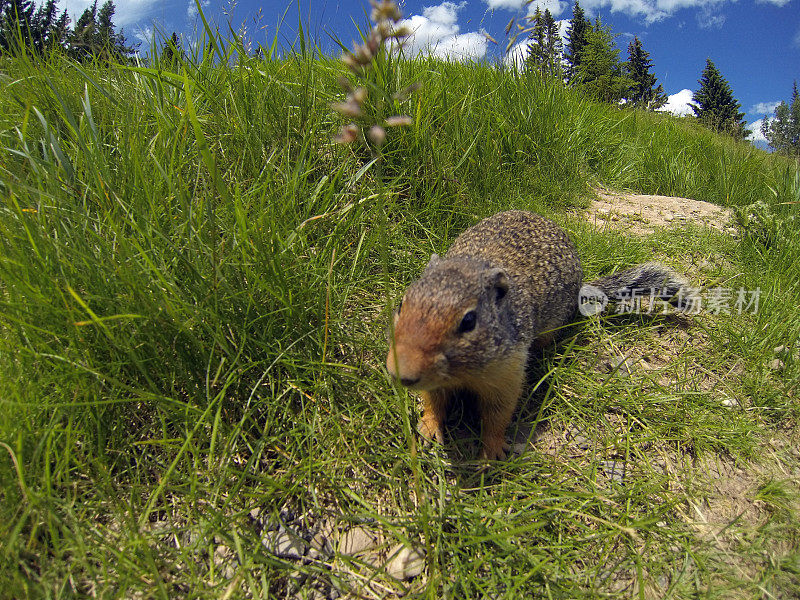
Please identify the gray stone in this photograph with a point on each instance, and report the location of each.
(323, 539)
(777, 364)
(613, 469)
(404, 562)
(579, 439)
(357, 539)
(224, 560)
(284, 544)
(619, 365)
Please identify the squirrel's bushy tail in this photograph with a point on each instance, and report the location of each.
(649, 279)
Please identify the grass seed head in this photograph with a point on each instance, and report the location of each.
(385, 15)
(350, 108)
(385, 10)
(347, 134)
(399, 121)
(377, 135)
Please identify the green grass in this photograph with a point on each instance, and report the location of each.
(195, 285)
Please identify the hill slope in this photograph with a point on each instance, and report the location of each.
(194, 288)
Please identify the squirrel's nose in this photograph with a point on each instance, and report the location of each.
(400, 367)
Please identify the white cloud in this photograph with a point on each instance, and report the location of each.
(436, 32)
(144, 35)
(508, 4)
(191, 10)
(467, 46)
(517, 54)
(519, 51)
(709, 13)
(127, 12)
(556, 7)
(649, 10)
(679, 104)
(709, 17)
(763, 108)
(755, 131)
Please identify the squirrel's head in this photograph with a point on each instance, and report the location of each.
(448, 324)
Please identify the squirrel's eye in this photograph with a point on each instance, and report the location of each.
(468, 322)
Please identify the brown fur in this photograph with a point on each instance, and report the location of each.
(468, 323)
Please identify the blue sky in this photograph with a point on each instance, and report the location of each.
(754, 43)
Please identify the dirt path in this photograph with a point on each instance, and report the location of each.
(641, 214)
(731, 502)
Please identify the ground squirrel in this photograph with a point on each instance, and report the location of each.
(506, 283)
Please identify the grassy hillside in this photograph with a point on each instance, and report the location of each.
(195, 285)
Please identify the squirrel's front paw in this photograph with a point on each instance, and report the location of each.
(495, 448)
(430, 429)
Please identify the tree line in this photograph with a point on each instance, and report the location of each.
(783, 130)
(591, 61)
(43, 29)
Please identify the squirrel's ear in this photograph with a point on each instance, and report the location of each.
(499, 281)
(433, 261)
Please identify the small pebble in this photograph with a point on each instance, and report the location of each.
(614, 469)
(284, 545)
(581, 441)
(620, 364)
(404, 562)
(777, 364)
(224, 561)
(357, 539)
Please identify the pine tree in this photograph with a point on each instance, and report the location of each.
(16, 23)
(600, 71)
(544, 46)
(577, 32)
(60, 31)
(537, 46)
(94, 35)
(642, 93)
(42, 26)
(554, 46)
(715, 105)
(83, 36)
(783, 130)
(795, 115)
(3, 41)
(106, 38)
(172, 50)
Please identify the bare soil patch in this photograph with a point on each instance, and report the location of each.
(641, 214)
